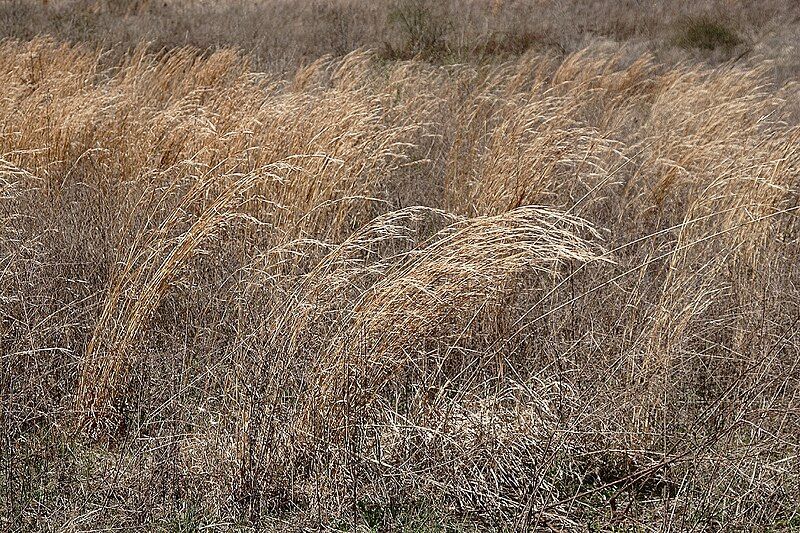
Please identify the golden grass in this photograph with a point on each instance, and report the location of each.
(549, 292)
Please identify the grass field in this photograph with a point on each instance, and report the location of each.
(399, 266)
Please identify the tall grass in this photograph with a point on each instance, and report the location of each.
(551, 292)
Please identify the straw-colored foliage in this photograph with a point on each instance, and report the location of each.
(546, 292)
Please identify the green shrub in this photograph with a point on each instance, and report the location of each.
(705, 33)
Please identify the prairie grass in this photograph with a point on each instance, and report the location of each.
(555, 291)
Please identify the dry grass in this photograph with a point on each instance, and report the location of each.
(559, 291)
(280, 34)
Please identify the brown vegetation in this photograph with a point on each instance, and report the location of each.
(553, 287)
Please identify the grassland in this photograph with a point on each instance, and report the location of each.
(404, 267)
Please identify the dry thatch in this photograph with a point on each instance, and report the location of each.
(548, 292)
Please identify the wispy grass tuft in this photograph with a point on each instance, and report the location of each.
(555, 292)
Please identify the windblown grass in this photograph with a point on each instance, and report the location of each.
(556, 291)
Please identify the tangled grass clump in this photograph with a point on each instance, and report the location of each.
(555, 292)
